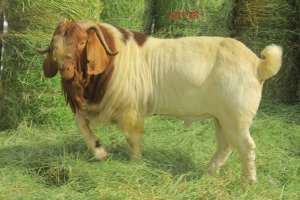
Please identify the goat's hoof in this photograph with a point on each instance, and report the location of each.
(136, 157)
(253, 181)
(213, 169)
(100, 153)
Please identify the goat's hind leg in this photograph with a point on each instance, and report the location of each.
(91, 140)
(238, 135)
(223, 151)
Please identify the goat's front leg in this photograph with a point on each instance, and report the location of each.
(134, 141)
(91, 141)
(132, 124)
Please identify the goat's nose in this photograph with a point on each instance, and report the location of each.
(66, 68)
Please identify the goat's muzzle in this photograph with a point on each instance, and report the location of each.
(67, 71)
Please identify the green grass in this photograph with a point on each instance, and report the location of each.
(52, 162)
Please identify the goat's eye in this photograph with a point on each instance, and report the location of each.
(82, 43)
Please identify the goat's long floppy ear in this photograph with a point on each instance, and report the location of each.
(50, 67)
(96, 54)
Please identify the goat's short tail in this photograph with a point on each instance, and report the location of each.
(271, 64)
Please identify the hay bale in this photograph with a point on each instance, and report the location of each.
(132, 14)
(1, 92)
(44, 15)
(1, 32)
(259, 23)
(202, 17)
(298, 47)
(29, 96)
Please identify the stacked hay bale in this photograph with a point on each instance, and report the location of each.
(1, 93)
(298, 46)
(1, 32)
(132, 14)
(259, 23)
(177, 18)
(28, 95)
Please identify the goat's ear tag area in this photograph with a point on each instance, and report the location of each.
(96, 55)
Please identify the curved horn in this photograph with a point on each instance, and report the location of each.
(86, 24)
(41, 51)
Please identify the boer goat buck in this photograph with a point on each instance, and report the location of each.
(117, 76)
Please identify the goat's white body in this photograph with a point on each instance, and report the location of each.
(189, 78)
(197, 76)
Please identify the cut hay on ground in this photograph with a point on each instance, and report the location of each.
(214, 17)
(28, 95)
(132, 14)
(259, 23)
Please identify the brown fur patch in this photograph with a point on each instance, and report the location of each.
(97, 144)
(139, 38)
(73, 92)
(125, 34)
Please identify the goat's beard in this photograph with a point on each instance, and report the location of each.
(73, 92)
(73, 88)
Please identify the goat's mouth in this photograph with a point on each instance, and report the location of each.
(67, 70)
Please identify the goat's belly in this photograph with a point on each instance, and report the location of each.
(190, 119)
(187, 115)
(189, 105)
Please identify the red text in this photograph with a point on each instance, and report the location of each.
(184, 15)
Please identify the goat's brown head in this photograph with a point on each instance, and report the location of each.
(76, 45)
